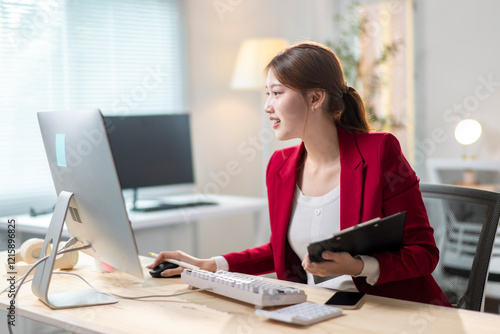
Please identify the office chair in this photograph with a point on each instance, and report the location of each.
(465, 222)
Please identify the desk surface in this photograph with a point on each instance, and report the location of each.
(204, 312)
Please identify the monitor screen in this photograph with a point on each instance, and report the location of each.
(151, 150)
(90, 200)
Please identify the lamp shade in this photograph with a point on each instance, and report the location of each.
(468, 131)
(253, 56)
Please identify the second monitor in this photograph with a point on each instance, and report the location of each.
(152, 150)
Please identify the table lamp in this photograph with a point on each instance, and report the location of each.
(253, 56)
(468, 132)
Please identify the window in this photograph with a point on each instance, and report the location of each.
(121, 56)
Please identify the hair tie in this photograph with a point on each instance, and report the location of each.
(344, 91)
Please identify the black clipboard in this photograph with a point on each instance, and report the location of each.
(376, 235)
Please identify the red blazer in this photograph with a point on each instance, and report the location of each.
(375, 181)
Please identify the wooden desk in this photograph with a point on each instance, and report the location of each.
(454, 171)
(204, 312)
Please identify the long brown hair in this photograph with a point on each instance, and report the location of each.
(311, 65)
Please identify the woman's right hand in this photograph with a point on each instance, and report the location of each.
(204, 264)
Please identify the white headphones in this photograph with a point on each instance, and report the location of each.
(30, 253)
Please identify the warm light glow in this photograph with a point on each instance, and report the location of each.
(468, 131)
(253, 56)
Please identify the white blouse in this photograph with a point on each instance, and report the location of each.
(315, 219)
(318, 218)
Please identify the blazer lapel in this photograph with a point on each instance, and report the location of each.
(285, 188)
(351, 179)
(351, 189)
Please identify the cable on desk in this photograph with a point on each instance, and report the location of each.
(63, 250)
(23, 278)
(129, 297)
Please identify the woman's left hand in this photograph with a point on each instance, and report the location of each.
(336, 263)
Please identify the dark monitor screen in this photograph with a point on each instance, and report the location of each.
(151, 150)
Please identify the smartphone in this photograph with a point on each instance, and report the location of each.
(347, 300)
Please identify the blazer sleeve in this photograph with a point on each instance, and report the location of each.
(258, 260)
(400, 192)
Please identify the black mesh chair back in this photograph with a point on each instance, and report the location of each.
(465, 222)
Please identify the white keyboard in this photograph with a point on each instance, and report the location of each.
(303, 313)
(243, 287)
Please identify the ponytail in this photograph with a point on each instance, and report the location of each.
(352, 116)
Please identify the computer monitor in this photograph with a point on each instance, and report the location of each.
(151, 150)
(86, 182)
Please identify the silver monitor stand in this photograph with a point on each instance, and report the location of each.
(43, 273)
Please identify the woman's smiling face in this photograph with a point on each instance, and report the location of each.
(287, 109)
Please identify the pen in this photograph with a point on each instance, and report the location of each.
(177, 262)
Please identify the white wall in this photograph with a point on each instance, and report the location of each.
(457, 51)
(224, 119)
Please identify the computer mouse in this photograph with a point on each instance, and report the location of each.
(156, 271)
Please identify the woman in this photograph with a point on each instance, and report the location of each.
(339, 176)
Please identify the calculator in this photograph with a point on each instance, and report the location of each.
(305, 313)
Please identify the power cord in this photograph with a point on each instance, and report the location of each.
(65, 249)
(23, 278)
(33, 212)
(130, 297)
(117, 295)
